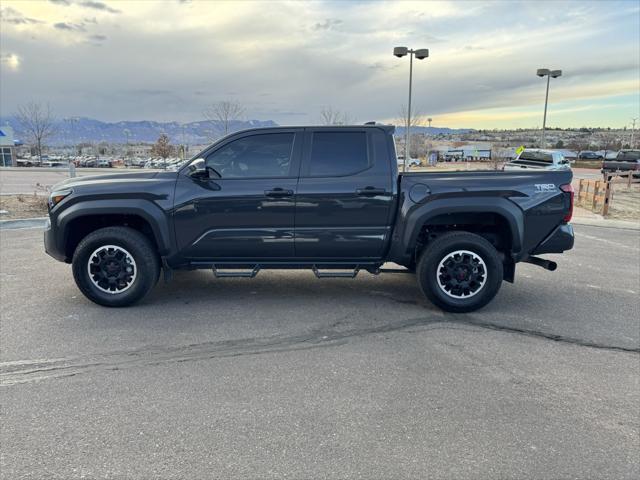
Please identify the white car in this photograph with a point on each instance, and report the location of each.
(538, 159)
(413, 162)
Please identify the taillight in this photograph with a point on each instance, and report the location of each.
(568, 188)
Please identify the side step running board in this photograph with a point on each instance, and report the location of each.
(237, 273)
(333, 274)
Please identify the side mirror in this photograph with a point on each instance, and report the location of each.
(198, 169)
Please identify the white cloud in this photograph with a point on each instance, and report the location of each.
(284, 60)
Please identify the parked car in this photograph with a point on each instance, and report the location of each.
(26, 162)
(589, 155)
(413, 162)
(538, 159)
(329, 199)
(626, 160)
(104, 163)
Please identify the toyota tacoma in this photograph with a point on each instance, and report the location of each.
(329, 199)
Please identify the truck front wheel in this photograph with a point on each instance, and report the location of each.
(460, 272)
(115, 266)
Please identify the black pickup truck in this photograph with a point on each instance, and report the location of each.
(329, 199)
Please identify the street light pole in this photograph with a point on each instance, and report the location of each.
(633, 131)
(545, 72)
(407, 133)
(420, 54)
(544, 118)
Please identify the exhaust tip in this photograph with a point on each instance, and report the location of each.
(541, 262)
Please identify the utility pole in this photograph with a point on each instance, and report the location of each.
(633, 131)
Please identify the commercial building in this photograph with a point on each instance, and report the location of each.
(7, 147)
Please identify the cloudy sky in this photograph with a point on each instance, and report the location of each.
(285, 61)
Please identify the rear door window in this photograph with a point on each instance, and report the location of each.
(338, 154)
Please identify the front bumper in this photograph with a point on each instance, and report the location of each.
(50, 245)
(558, 241)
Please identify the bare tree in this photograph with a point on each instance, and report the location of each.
(224, 112)
(162, 148)
(417, 118)
(329, 116)
(38, 123)
(500, 156)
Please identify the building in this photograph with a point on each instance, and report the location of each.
(469, 152)
(7, 147)
(139, 150)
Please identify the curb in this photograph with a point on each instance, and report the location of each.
(24, 223)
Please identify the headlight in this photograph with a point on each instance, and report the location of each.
(57, 196)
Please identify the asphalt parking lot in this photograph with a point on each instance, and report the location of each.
(287, 376)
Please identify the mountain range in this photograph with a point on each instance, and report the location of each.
(89, 130)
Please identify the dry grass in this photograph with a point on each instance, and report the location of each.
(625, 201)
(23, 206)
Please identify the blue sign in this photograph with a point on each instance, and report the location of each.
(2, 134)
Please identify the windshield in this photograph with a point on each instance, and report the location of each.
(629, 155)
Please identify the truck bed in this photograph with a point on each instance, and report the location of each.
(531, 202)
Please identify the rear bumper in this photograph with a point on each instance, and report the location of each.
(50, 245)
(558, 241)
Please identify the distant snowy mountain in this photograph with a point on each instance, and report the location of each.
(89, 130)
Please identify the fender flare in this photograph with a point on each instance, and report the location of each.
(420, 214)
(145, 209)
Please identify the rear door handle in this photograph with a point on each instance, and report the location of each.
(370, 191)
(278, 193)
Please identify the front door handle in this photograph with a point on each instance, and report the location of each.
(370, 191)
(278, 193)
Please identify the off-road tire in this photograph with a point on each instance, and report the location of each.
(147, 264)
(438, 250)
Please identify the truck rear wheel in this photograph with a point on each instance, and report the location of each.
(460, 272)
(115, 266)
